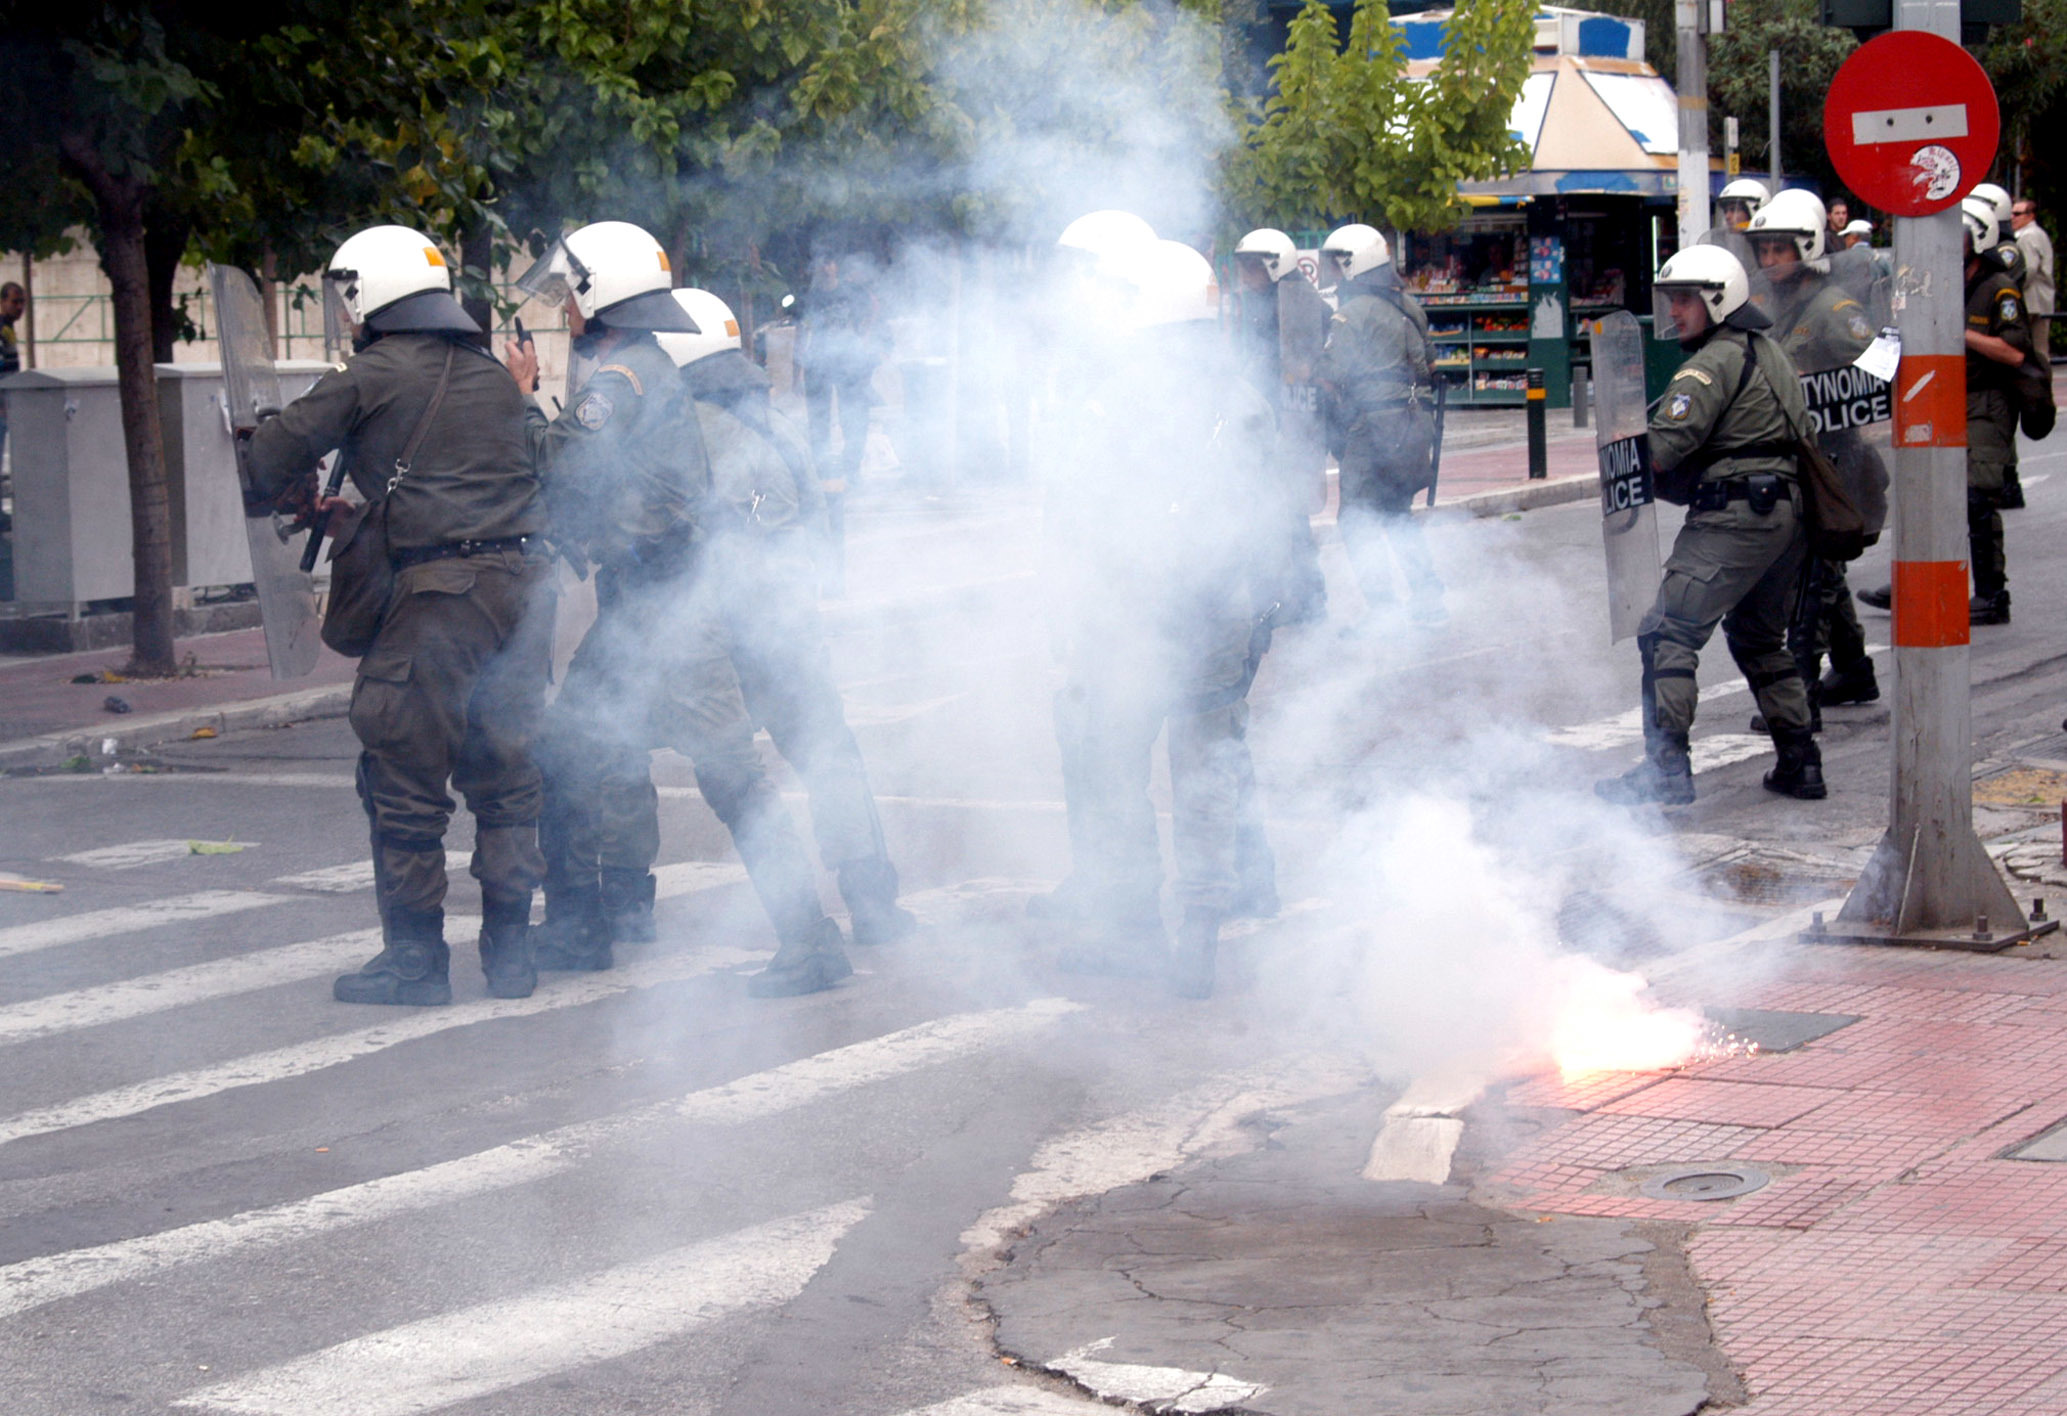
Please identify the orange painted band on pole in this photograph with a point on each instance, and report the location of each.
(1931, 401)
(1537, 395)
(1930, 604)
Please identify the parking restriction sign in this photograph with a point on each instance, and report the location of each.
(1911, 122)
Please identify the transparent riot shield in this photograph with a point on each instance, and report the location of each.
(286, 593)
(1628, 493)
(1826, 320)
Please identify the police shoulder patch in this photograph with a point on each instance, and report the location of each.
(1859, 327)
(593, 411)
(1699, 375)
(1679, 406)
(2008, 308)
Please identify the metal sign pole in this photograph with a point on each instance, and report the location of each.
(1692, 83)
(1931, 882)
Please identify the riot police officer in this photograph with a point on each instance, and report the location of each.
(2010, 256)
(1283, 328)
(433, 431)
(1734, 206)
(1162, 617)
(1375, 386)
(1722, 441)
(626, 474)
(1822, 328)
(763, 518)
(1997, 341)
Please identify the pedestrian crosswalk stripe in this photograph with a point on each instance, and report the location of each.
(299, 1059)
(130, 854)
(127, 919)
(1013, 1401)
(106, 1003)
(34, 1282)
(494, 1346)
(196, 983)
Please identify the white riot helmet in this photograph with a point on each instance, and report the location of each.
(1742, 192)
(617, 275)
(1170, 284)
(1355, 249)
(1271, 248)
(388, 279)
(1794, 212)
(717, 330)
(1977, 214)
(1998, 202)
(1717, 278)
(1109, 235)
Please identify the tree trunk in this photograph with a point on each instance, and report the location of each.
(165, 241)
(120, 203)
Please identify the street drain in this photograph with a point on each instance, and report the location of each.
(1705, 1182)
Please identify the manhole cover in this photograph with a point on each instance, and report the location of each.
(1755, 881)
(1705, 1182)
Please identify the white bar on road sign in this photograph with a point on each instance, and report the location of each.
(1910, 125)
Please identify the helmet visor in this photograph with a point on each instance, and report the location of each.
(340, 289)
(553, 276)
(1679, 311)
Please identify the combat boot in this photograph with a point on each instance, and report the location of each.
(1127, 944)
(411, 968)
(573, 937)
(506, 948)
(1758, 720)
(1989, 609)
(1191, 963)
(1799, 772)
(2011, 497)
(870, 889)
(1856, 684)
(1665, 776)
(1880, 599)
(628, 906)
(806, 963)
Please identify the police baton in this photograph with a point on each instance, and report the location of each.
(1435, 453)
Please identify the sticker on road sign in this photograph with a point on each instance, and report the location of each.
(1937, 172)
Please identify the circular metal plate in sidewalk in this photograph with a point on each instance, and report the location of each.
(1705, 1182)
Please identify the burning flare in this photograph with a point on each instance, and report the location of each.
(1604, 1023)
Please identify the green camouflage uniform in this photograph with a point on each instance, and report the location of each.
(1995, 306)
(1374, 379)
(626, 473)
(1731, 564)
(452, 686)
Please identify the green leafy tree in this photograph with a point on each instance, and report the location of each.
(1345, 133)
(1739, 84)
(95, 110)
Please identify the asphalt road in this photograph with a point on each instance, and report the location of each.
(643, 1191)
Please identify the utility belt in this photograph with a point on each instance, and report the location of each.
(452, 550)
(1763, 491)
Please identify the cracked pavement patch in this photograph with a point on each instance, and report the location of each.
(1310, 1291)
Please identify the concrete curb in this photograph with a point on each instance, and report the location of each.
(1552, 491)
(129, 733)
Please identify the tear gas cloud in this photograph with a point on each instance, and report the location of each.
(1405, 772)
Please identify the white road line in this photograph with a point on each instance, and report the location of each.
(196, 983)
(1012, 1401)
(299, 1059)
(492, 1347)
(267, 968)
(1121, 1150)
(357, 875)
(132, 854)
(1173, 1389)
(128, 919)
(34, 1282)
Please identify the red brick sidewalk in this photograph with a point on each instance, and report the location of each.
(1898, 1264)
(37, 694)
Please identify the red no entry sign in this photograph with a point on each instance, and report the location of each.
(1911, 122)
